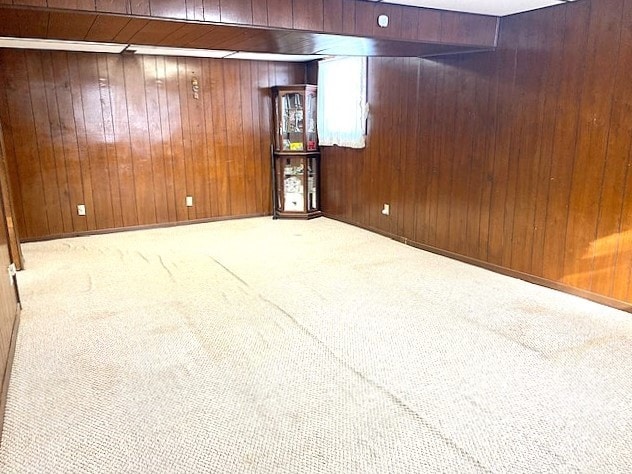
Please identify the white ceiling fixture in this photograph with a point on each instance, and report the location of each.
(92, 47)
(61, 45)
(164, 51)
(483, 7)
(275, 57)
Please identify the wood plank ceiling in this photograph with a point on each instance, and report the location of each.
(415, 32)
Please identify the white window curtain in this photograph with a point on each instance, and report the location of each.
(342, 106)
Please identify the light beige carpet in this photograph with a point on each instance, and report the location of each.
(305, 347)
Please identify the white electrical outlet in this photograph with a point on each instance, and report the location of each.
(81, 209)
(189, 201)
(386, 210)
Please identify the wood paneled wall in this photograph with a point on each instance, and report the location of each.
(518, 159)
(125, 136)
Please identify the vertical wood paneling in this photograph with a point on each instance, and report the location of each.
(113, 6)
(123, 141)
(169, 8)
(308, 15)
(211, 10)
(348, 17)
(124, 136)
(82, 141)
(140, 7)
(199, 147)
(280, 13)
(518, 158)
(564, 139)
(195, 10)
(158, 181)
(260, 13)
(236, 11)
(43, 144)
(57, 143)
(332, 21)
(72, 4)
(613, 244)
(590, 154)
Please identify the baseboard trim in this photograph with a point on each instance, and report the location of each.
(597, 298)
(7, 370)
(141, 227)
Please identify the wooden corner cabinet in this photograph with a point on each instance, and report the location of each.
(296, 172)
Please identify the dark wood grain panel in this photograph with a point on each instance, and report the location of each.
(32, 23)
(33, 3)
(155, 32)
(169, 8)
(156, 138)
(110, 162)
(475, 29)
(199, 145)
(125, 136)
(74, 64)
(236, 11)
(72, 26)
(308, 15)
(564, 141)
(518, 158)
(260, 13)
(280, 13)
(72, 4)
(97, 163)
(140, 7)
(211, 10)
(555, 80)
(113, 6)
(56, 143)
(612, 248)
(590, 152)
(428, 24)
(10, 151)
(332, 20)
(185, 35)
(364, 18)
(348, 17)
(409, 23)
(106, 28)
(129, 30)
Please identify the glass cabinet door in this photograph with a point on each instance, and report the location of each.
(310, 114)
(312, 184)
(292, 121)
(293, 184)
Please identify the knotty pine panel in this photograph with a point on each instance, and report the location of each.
(517, 159)
(125, 136)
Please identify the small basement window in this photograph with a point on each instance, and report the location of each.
(342, 103)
